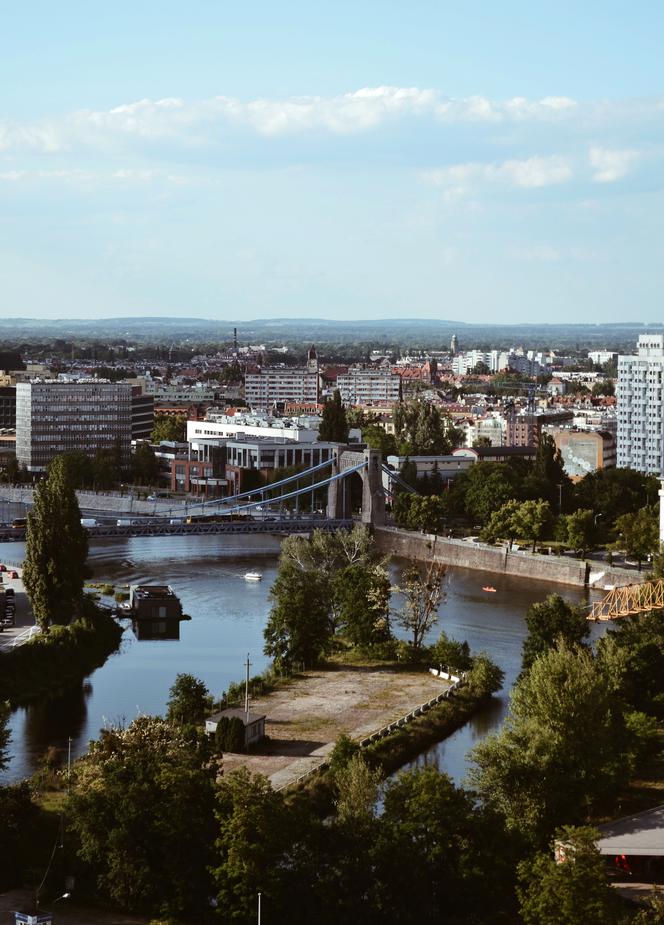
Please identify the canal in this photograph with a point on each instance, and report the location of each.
(228, 616)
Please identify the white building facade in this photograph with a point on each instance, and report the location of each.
(640, 401)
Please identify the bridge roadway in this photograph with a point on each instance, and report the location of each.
(248, 525)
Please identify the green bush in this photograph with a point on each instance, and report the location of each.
(229, 736)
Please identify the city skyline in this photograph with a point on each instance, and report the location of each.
(356, 164)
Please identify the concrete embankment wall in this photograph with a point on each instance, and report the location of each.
(107, 501)
(557, 569)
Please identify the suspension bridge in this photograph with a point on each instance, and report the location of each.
(290, 505)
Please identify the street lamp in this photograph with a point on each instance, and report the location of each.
(595, 518)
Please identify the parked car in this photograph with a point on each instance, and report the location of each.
(13, 574)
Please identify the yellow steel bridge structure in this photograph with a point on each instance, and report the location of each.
(628, 600)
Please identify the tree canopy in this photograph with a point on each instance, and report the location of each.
(56, 549)
(334, 426)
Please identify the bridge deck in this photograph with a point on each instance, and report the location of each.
(278, 525)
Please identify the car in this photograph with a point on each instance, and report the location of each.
(9, 593)
(13, 574)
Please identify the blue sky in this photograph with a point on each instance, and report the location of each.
(478, 161)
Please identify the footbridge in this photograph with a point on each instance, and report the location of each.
(629, 600)
(321, 497)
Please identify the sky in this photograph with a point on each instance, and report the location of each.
(481, 162)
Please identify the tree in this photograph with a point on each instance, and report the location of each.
(578, 530)
(563, 748)
(334, 426)
(376, 438)
(169, 428)
(422, 429)
(144, 465)
(299, 629)
(638, 533)
(422, 589)
(188, 702)
(613, 492)
(504, 523)
(634, 647)
(533, 518)
(438, 857)
(56, 549)
(362, 603)
(549, 621)
(603, 387)
(415, 512)
(254, 837)
(572, 892)
(357, 791)
(142, 809)
(483, 489)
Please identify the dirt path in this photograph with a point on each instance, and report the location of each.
(305, 719)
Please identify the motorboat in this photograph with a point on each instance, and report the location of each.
(253, 576)
(489, 588)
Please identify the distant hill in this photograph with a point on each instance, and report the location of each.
(404, 333)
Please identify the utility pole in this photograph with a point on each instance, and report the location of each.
(246, 690)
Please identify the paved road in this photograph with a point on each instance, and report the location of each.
(24, 618)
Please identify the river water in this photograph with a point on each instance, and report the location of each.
(228, 616)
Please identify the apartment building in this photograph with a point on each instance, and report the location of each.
(361, 386)
(639, 406)
(57, 417)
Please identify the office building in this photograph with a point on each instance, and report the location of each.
(8, 407)
(58, 417)
(639, 406)
(142, 415)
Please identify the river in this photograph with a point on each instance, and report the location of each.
(228, 616)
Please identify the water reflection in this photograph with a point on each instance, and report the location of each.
(228, 616)
(52, 720)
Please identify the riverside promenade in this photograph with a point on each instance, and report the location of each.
(499, 559)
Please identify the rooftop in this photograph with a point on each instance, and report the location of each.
(640, 834)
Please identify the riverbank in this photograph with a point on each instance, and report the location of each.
(500, 560)
(51, 662)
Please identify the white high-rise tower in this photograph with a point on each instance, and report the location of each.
(640, 404)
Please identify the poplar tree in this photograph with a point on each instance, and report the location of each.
(334, 426)
(56, 549)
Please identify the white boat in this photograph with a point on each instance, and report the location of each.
(253, 576)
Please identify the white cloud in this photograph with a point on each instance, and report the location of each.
(611, 165)
(357, 111)
(531, 173)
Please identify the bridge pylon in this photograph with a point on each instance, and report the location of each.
(373, 494)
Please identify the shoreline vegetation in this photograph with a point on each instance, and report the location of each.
(51, 662)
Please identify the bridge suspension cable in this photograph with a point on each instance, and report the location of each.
(628, 600)
(260, 490)
(396, 478)
(309, 489)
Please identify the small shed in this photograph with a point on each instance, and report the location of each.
(254, 723)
